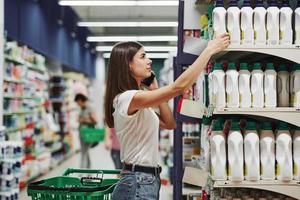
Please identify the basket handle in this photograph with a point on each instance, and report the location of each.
(90, 171)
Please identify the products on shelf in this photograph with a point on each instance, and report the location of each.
(252, 153)
(218, 152)
(295, 86)
(283, 89)
(273, 23)
(257, 89)
(259, 25)
(244, 86)
(11, 153)
(296, 154)
(233, 22)
(191, 142)
(246, 194)
(235, 153)
(270, 90)
(217, 80)
(205, 147)
(247, 23)
(297, 24)
(232, 89)
(219, 18)
(286, 30)
(284, 153)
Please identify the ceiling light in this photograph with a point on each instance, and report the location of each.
(119, 3)
(131, 38)
(147, 48)
(149, 55)
(127, 24)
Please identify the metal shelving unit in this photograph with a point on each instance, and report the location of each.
(289, 114)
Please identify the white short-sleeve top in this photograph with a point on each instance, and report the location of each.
(138, 133)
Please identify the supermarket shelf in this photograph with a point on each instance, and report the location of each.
(14, 60)
(34, 67)
(17, 113)
(17, 97)
(289, 52)
(291, 188)
(67, 156)
(287, 114)
(13, 81)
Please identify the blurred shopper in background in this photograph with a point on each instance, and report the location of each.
(112, 143)
(86, 118)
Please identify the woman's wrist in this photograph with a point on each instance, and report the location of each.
(208, 51)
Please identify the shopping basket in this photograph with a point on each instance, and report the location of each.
(66, 187)
(91, 135)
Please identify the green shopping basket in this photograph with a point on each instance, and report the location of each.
(66, 187)
(91, 135)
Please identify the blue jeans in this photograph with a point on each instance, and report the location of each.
(137, 186)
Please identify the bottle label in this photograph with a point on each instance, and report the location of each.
(267, 34)
(265, 98)
(278, 169)
(246, 170)
(295, 170)
(255, 35)
(252, 98)
(243, 35)
(228, 99)
(229, 171)
(241, 98)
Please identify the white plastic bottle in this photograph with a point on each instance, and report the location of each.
(251, 148)
(218, 86)
(259, 15)
(232, 86)
(205, 148)
(283, 87)
(295, 86)
(244, 86)
(296, 153)
(273, 24)
(218, 152)
(199, 93)
(257, 91)
(297, 24)
(284, 153)
(270, 86)
(267, 152)
(235, 153)
(233, 22)
(247, 23)
(286, 30)
(219, 18)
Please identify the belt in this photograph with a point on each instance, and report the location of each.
(139, 168)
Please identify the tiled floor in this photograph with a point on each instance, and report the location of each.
(100, 160)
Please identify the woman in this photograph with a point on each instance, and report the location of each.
(129, 110)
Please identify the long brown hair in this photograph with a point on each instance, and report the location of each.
(119, 77)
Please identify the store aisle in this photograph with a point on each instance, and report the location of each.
(100, 160)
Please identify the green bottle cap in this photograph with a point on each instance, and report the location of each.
(296, 67)
(217, 126)
(256, 66)
(206, 120)
(218, 66)
(282, 126)
(235, 126)
(270, 66)
(266, 126)
(282, 68)
(251, 126)
(244, 66)
(231, 66)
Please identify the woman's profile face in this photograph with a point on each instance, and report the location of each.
(140, 65)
